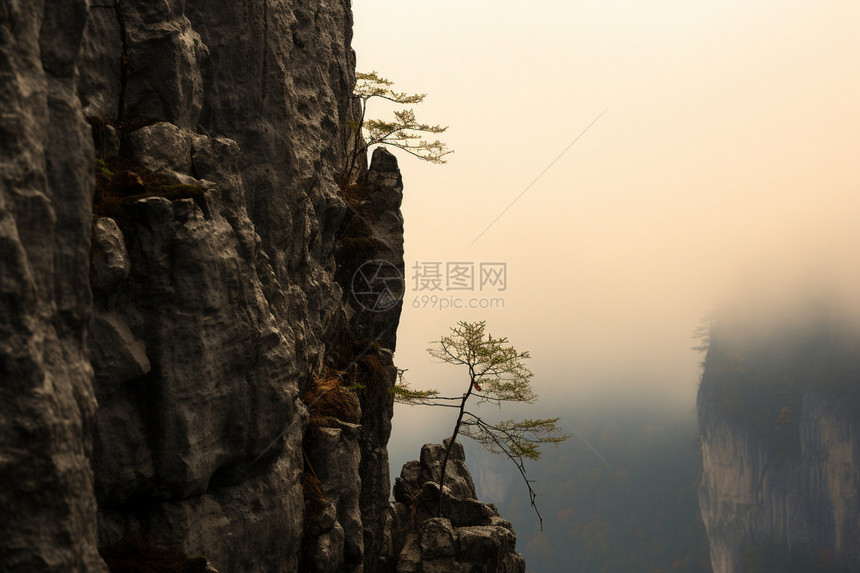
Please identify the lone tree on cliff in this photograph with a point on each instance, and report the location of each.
(403, 132)
(497, 373)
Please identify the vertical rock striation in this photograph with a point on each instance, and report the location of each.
(751, 497)
(369, 256)
(781, 458)
(375, 329)
(231, 296)
(158, 338)
(46, 187)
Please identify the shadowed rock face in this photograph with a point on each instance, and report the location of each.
(178, 429)
(46, 185)
(231, 293)
(153, 356)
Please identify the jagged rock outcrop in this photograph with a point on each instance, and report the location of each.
(158, 338)
(469, 536)
(778, 414)
(360, 369)
(333, 522)
(373, 325)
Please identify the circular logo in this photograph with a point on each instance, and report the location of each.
(377, 285)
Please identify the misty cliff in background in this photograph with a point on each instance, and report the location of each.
(779, 414)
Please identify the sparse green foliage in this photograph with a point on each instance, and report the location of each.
(497, 373)
(406, 395)
(102, 169)
(403, 132)
(521, 438)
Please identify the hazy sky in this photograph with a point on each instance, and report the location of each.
(728, 151)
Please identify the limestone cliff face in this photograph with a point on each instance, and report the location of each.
(156, 346)
(187, 374)
(780, 454)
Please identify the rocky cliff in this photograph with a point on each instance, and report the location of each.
(778, 413)
(170, 211)
(468, 537)
(187, 376)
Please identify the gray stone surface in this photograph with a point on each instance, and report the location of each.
(163, 147)
(375, 223)
(277, 81)
(436, 538)
(252, 526)
(101, 60)
(234, 298)
(117, 355)
(193, 438)
(110, 263)
(334, 455)
(467, 536)
(457, 477)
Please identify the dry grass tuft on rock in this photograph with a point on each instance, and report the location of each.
(327, 397)
(355, 194)
(369, 374)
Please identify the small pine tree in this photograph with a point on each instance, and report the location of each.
(497, 374)
(403, 132)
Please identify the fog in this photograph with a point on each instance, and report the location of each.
(723, 166)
